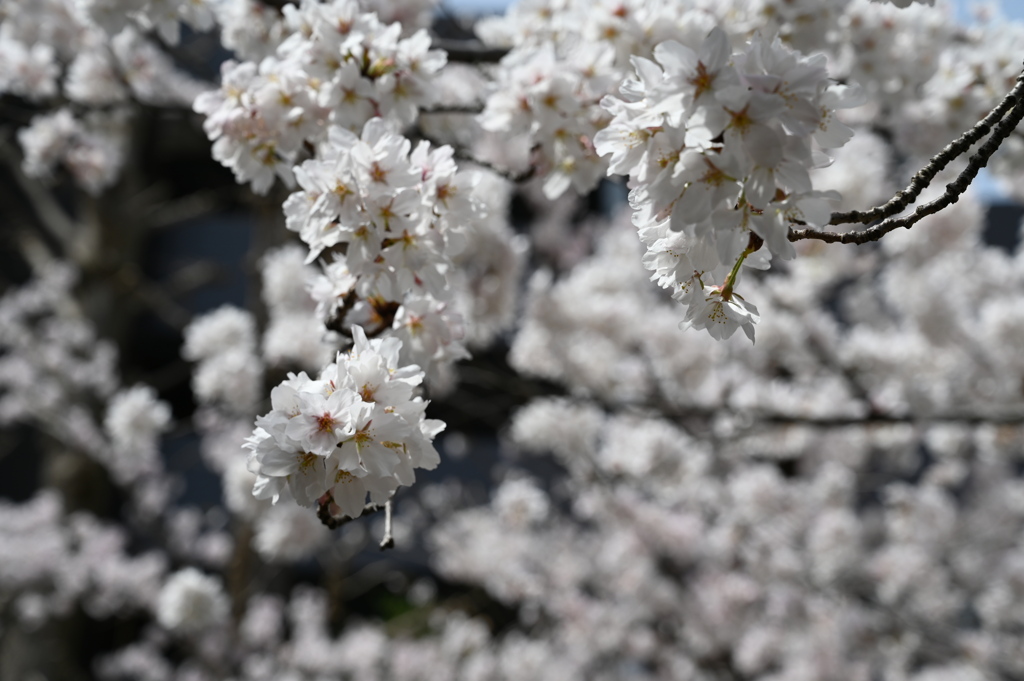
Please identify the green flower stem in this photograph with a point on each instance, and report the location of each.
(753, 245)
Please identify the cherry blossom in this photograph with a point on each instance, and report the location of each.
(357, 429)
(442, 233)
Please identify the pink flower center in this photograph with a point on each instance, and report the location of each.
(325, 423)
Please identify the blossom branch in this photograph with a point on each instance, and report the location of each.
(1010, 111)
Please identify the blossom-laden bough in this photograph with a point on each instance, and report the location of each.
(841, 502)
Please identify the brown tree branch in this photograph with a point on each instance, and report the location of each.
(924, 177)
(1005, 118)
(454, 109)
(511, 176)
(332, 522)
(323, 512)
(470, 51)
(463, 156)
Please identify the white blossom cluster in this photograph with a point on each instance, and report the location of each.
(875, 39)
(718, 148)
(164, 16)
(964, 83)
(385, 220)
(253, 29)
(587, 48)
(399, 216)
(53, 371)
(295, 332)
(731, 566)
(336, 67)
(354, 431)
(229, 370)
(59, 59)
(566, 56)
(191, 601)
(134, 420)
(51, 358)
(91, 148)
(58, 376)
(56, 562)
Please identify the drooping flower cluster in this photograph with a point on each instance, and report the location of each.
(398, 217)
(354, 431)
(718, 149)
(335, 66)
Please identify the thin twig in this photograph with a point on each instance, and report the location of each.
(174, 212)
(193, 276)
(336, 322)
(509, 175)
(471, 51)
(323, 512)
(454, 109)
(388, 542)
(924, 177)
(463, 156)
(153, 296)
(952, 194)
(525, 387)
(49, 212)
(966, 419)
